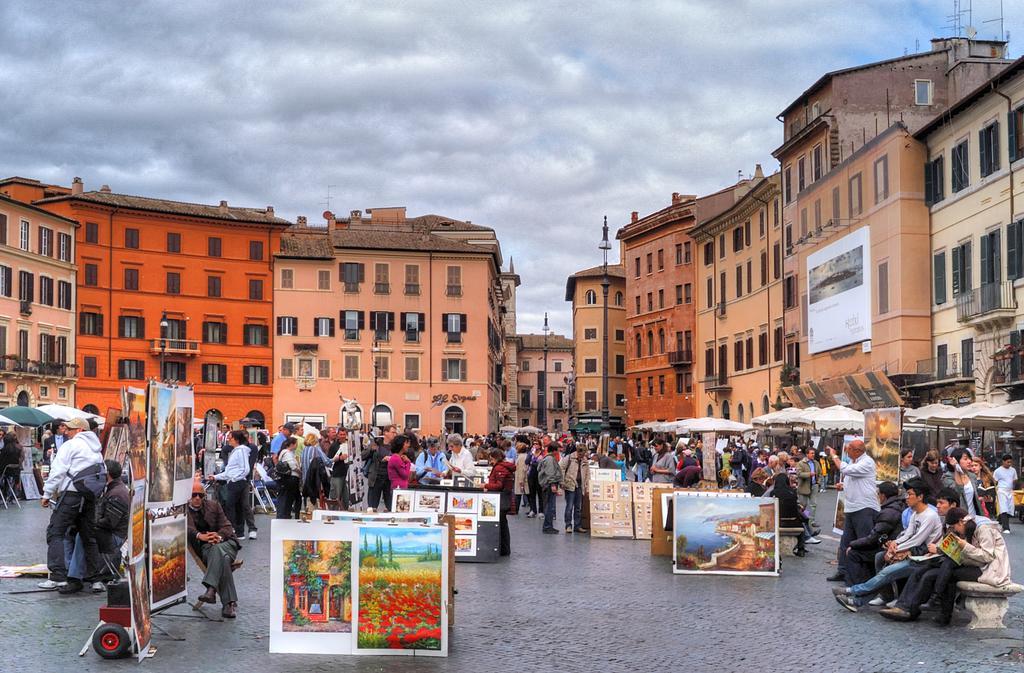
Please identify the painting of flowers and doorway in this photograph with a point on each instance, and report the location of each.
(317, 586)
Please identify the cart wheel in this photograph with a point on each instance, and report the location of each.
(111, 641)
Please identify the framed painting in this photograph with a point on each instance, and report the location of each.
(721, 535)
(401, 502)
(463, 502)
(465, 545)
(428, 501)
(490, 507)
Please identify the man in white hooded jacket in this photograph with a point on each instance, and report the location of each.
(81, 450)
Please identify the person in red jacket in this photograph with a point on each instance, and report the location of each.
(502, 478)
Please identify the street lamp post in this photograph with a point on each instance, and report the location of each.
(163, 342)
(542, 393)
(376, 351)
(605, 247)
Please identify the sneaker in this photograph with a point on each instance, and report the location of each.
(98, 587)
(1006, 531)
(891, 604)
(568, 529)
(252, 534)
(877, 602)
(580, 530)
(812, 540)
(840, 591)
(70, 587)
(846, 602)
(531, 515)
(50, 584)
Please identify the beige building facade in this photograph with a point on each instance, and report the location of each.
(584, 289)
(974, 186)
(545, 364)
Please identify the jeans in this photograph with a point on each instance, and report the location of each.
(573, 503)
(889, 574)
(858, 524)
(549, 508)
(741, 483)
(642, 471)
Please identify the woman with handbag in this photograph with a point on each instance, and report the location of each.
(286, 470)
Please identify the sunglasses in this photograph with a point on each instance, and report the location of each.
(198, 495)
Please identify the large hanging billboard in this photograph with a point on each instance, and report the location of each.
(839, 293)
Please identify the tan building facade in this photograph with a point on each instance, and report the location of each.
(974, 181)
(545, 363)
(739, 305)
(402, 314)
(584, 289)
(37, 306)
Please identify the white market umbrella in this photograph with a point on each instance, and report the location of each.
(1005, 416)
(951, 417)
(531, 430)
(787, 417)
(708, 424)
(836, 417)
(66, 413)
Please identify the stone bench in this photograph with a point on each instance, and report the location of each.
(987, 604)
(788, 539)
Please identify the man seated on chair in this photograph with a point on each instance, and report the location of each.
(212, 537)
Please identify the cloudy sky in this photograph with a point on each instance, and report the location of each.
(536, 118)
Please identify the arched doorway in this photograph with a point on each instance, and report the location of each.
(739, 412)
(382, 415)
(765, 405)
(455, 420)
(725, 409)
(711, 411)
(258, 420)
(23, 398)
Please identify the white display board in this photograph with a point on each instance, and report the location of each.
(839, 293)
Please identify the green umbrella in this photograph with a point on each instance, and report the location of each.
(26, 416)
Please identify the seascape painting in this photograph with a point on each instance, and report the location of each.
(725, 535)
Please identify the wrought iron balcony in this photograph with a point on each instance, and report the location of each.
(16, 365)
(990, 304)
(942, 369)
(716, 383)
(174, 347)
(680, 357)
(454, 291)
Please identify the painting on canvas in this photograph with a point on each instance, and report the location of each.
(460, 503)
(725, 535)
(428, 502)
(490, 504)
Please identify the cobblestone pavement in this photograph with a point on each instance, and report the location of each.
(565, 603)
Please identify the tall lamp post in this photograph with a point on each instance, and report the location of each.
(605, 247)
(542, 381)
(376, 356)
(163, 342)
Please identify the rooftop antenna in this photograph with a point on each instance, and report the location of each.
(1002, 34)
(327, 201)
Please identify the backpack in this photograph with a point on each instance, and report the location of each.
(282, 469)
(91, 481)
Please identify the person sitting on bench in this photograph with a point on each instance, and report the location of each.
(212, 537)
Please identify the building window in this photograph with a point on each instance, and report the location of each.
(922, 92)
(351, 274)
(739, 282)
(590, 333)
(92, 233)
(881, 179)
(323, 369)
(256, 289)
(412, 368)
(63, 291)
(639, 387)
(7, 282)
(256, 335)
(45, 241)
(988, 148)
(45, 290)
(787, 183)
(255, 375)
(961, 168)
(323, 279)
(454, 325)
(524, 366)
(26, 286)
(679, 253)
(990, 266)
(173, 282)
(131, 279)
(174, 245)
(856, 204)
(939, 276)
(453, 369)
(287, 367)
(215, 332)
(661, 259)
(323, 327)
(381, 278)
(687, 253)
(411, 324)
(132, 370)
(709, 253)
(661, 384)
(590, 297)
(351, 366)
(412, 279)
(590, 365)
(961, 272)
(353, 321)
(620, 364)
(213, 246)
(63, 245)
(287, 326)
(688, 293)
(383, 324)
(89, 366)
(710, 292)
(816, 162)
(650, 262)
(412, 421)
(661, 298)
(213, 286)
(721, 246)
(175, 371)
(934, 181)
(883, 288)
(92, 275)
(131, 327)
(131, 238)
(637, 298)
(287, 279)
(256, 251)
(454, 285)
(636, 267)
(213, 373)
(90, 324)
(650, 301)
(619, 299)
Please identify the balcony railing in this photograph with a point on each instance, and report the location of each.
(991, 301)
(943, 369)
(680, 357)
(716, 382)
(382, 288)
(26, 307)
(1009, 370)
(28, 367)
(454, 290)
(412, 288)
(174, 346)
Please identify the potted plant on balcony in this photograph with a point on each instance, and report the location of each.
(1006, 351)
(789, 375)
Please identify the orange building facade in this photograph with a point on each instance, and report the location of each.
(171, 290)
(658, 254)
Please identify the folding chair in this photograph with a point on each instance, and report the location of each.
(261, 494)
(7, 481)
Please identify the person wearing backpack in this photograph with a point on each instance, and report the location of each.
(77, 477)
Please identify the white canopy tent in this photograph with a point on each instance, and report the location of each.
(787, 417)
(946, 416)
(66, 413)
(708, 424)
(836, 418)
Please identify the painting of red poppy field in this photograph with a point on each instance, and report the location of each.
(400, 589)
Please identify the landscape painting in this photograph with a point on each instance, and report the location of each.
(490, 503)
(401, 589)
(428, 502)
(117, 444)
(167, 540)
(317, 586)
(161, 452)
(138, 590)
(882, 430)
(843, 272)
(402, 502)
(462, 503)
(184, 465)
(137, 428)
(725, 535)
(137, 520)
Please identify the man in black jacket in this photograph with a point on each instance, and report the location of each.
(112, 511)
(860, 557)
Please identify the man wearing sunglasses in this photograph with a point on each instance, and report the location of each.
(212, 537)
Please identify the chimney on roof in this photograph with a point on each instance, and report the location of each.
(355, 216)
(105, 189)
(634, 217)
(332, 223)
(300, 220)
(758, 173)
(270, 211)
(223, 208)
(77, 186)
(675, 198)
